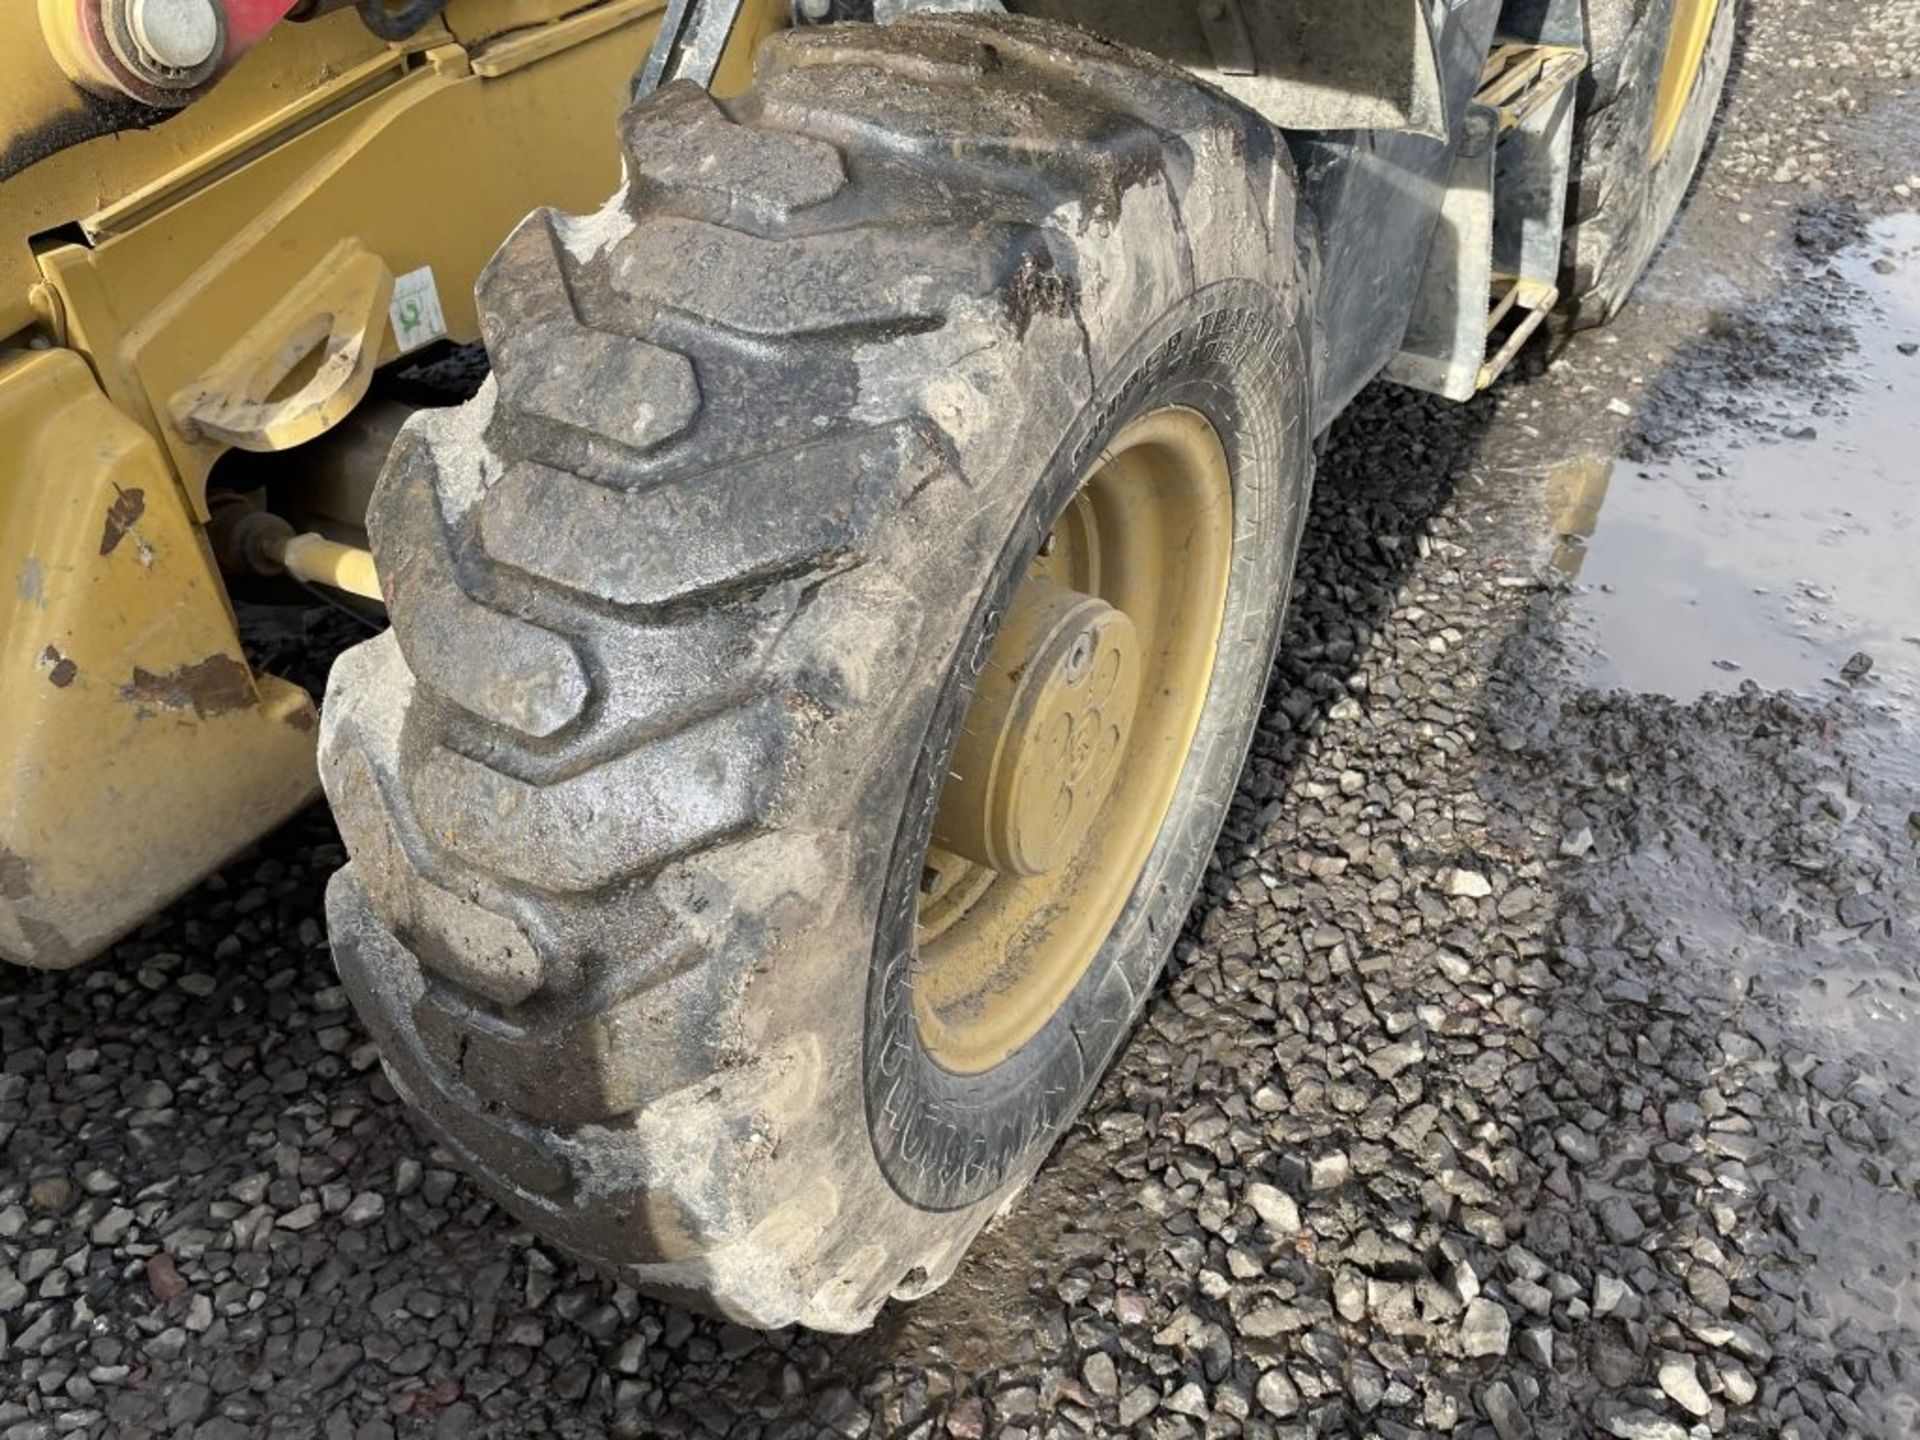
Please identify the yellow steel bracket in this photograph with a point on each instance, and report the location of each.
(139, 748)
(298, 371)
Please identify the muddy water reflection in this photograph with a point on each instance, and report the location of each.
(1777, 556)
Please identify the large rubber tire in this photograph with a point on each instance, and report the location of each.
(1624, 201)
(685, 608)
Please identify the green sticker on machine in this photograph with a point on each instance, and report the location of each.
(415, 310)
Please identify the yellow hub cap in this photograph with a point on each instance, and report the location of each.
(1071, 750)
(1043, 738)
(1686, 51)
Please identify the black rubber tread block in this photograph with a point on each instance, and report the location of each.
(1124, 80)
(385, 989)
(459, 923)
(502, 669)
(575, 1192)
(632, 814)
(585, 1065)
(1058, 143)
(685, 154)
(553, 366)
(701, 533)
(808, 285)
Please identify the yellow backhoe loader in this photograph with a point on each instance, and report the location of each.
(815, 660)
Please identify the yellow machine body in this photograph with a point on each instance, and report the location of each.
(227, 279)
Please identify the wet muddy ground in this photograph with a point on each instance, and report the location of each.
(1542, 1058)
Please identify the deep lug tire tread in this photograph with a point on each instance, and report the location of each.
(633, 586)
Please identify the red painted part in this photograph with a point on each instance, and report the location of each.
(86, 31)
(248, 21)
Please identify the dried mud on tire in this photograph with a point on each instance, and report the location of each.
(768, 440)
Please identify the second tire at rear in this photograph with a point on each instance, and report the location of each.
(1647, 106)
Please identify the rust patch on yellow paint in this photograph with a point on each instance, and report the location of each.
(214, 686)
(60, 670)
(127, 508)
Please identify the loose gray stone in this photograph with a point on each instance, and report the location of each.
(1328, 1172)
(1101, 1377)
(1277, 1395)
(1709, 1289)
(331, 1364)
(1577, 1144)
(1608, 1292)
(112, 1227)
(1350, 1295)
(301, 1217)
(1188, 1399)
(1644, 1425)
(1681, 1382)
(1276, 1209)
(1265, 1321)
(1137, 1404)
(1390, 1060)
(1621, 1222)
(1485, 1329)
(1737, 1384)
(1503, 1409)
(1468, 885)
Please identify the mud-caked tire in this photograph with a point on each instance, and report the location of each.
(687, 603)
(1629, 180)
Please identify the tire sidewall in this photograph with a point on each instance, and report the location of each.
(1234, 352)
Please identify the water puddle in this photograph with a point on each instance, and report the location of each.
(1779, 543)
(1775, 557)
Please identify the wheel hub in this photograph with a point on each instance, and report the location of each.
(1067, 759)
(1043, 741)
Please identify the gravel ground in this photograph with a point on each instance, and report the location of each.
(1539, 1061)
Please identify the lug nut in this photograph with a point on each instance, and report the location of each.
(178, 34)
(1080, 656)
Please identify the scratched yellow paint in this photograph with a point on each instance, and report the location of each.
(137, 749)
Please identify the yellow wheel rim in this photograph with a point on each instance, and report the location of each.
(1072, 747)
(1686, 51)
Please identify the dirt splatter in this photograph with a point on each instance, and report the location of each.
(15, 876)
(60, 670)
(213, 686)
(125, 512)
(45, 945)
(1037, 288)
